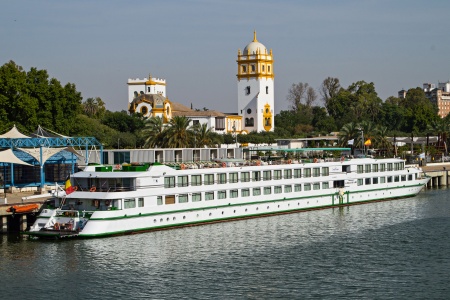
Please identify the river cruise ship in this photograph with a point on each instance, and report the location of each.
(127, 199)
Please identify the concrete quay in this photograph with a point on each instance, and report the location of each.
(439, 173)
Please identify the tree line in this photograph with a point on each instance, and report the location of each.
(31, 98)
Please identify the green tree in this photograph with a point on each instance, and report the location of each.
(154, 133)
(94, 107)
(179, 134)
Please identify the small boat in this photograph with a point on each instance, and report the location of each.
(22, 209)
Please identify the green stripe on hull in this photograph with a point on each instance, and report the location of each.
(162, 227)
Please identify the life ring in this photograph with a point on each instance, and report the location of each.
(258, 162)
(107, 202)
(342, 159)
(56, 226)
(315, 160)
(224, 165)
(92, 189)
(289, 161)
(183, 167)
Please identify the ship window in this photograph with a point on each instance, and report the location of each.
(410, 177)
(245, 176)
(267, 190)
(222, 194)
(245, 192)
(389, 179)
(256, 191)
(382, 167)
(182, 180)
(374, 168)
(233, 193)
(316, 186)
(396, 178)
(316, 172)
(169, 182)
(397, 166)
(209, 179)
(360, 181)
(368, 181)
(196, 197)
(222, 178)
(297, 187)
(402, 165)
(288, 188)
(297, 173)
(375, 180)
(382, 179)
(389, 166)
(277, 174)
(267, 175)
(256, 176)
(325, 171)
(140, 202)
(129, 203)
(307, 172)
(183, 198)
(233, 177)
(325, 185)
(287, 174)
(359, 169)
(277, 189)
(196, 180)
(307, 186)
(159, 200)
(209, 196)
(170, 199)
(367, 168)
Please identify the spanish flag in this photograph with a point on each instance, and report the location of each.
(69, 187)
(368, 142)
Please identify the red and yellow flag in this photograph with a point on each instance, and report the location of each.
(69, 187)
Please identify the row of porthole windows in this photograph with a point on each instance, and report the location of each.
(223, 212)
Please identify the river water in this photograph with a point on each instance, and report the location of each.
(386, 250)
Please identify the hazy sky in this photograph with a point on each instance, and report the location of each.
(98, 45)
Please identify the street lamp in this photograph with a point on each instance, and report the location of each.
(235, 135)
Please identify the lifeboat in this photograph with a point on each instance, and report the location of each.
(22, 209)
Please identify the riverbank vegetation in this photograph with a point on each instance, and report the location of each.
(32, 98)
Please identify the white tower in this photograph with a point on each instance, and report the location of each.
(255, 87)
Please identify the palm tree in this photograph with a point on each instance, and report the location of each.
(381, 140)
(348, 132)
(155, 132)
(178, 134)
(203, 136)
(442, 128)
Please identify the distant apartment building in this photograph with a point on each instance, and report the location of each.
(439, 96)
